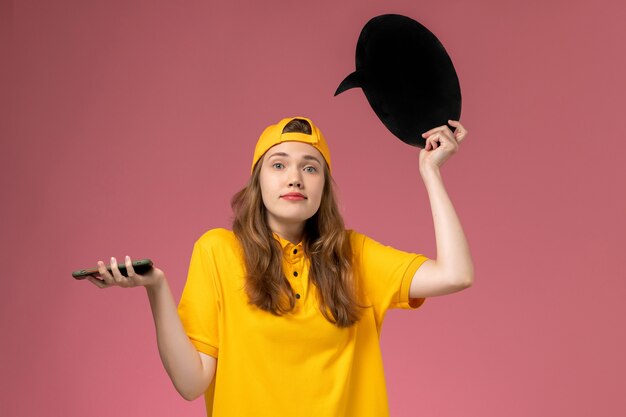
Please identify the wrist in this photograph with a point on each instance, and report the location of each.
(429, 170)
(157, 285)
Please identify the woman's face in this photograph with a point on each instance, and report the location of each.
(292, 182)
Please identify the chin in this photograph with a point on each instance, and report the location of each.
(293, 217)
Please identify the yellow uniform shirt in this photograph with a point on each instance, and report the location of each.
(298, 364)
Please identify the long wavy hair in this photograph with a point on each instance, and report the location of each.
(325, 243)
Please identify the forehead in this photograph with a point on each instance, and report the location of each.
(295, 150)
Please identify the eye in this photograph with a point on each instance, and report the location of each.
(310, 169)
(278, 165)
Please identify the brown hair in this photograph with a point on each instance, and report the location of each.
(326, 243)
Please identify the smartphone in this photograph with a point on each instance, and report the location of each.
(141, 267)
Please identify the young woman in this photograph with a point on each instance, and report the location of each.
(282, 315)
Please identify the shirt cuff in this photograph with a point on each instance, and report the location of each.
(404, 301)
(205, 348)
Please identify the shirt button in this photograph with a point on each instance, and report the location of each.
(298, 296)
(295, 251)
(295, 274)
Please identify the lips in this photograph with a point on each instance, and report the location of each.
(293, 196)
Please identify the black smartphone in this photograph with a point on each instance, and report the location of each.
(141, 267)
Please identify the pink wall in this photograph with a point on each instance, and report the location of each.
(127, 126)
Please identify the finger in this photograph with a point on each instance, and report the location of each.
(443, 134)
(443, 128)
(97, 282)
(433, 130)
(437, 139)
(105, 274)
(459, 132)
(426, 145)
(433, 143)
(117, 275)
(440, 139)
(130, 271)
(456, 124)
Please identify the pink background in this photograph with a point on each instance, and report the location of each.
(127, 126)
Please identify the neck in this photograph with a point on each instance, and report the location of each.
(292, 232)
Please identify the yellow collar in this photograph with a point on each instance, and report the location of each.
(284, 243)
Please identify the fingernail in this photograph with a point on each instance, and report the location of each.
(112, 259)
(127, 258)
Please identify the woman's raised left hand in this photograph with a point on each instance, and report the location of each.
(441, 144)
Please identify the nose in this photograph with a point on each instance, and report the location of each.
(295, 179)
(295, 183)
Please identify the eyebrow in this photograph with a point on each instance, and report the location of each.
(307, 157)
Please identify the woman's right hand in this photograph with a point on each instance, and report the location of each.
(107, 279)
